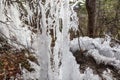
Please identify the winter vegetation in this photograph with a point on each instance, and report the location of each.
(59, 40)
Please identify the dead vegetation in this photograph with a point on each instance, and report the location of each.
(13, 61)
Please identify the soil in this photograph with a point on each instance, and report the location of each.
(12, 61)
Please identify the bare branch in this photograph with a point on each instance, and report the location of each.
(3, 22)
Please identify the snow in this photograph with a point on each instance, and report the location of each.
(86, 43)
(99, 49)
(34, 75)
(107, 75)
(88, 75)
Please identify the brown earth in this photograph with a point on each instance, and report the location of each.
(12, 61)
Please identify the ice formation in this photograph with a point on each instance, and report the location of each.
(16, 23)
(50, 38)
(99, 49)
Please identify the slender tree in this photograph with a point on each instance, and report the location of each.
(91, 10)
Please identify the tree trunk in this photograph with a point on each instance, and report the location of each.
(91, 9)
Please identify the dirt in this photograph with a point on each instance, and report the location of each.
(11, 59)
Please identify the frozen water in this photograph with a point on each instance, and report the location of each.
(51, 43)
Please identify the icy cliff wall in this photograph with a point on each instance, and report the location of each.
(43, 27)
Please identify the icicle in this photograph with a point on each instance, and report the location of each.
(51, 40)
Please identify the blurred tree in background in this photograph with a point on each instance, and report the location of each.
(99, 17)
(91, 10)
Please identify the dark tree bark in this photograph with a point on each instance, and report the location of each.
(91, 10)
